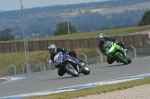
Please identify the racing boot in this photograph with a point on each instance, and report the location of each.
(126, 50)
(81, 66)
(61, 72)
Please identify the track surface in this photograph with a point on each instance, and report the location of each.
(50, 80)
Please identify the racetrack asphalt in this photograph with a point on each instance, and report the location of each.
(50, 80)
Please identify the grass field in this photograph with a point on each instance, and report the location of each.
(94, 34)
(2, 80)
(17, 59)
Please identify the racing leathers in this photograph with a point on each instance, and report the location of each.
(101, 43)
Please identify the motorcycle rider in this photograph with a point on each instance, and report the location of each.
(53, 50)
(102, 39)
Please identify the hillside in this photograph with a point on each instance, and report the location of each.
(86, 17)
(122, 8)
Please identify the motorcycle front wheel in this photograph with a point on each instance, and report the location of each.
(86, 71)
(121, 59)
(129, 61)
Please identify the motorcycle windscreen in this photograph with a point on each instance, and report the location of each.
(107, 45)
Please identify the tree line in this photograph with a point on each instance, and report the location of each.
(145, 20)
(5, 35)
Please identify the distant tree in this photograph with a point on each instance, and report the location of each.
(145, 19)
(62, 28)
(5, 35)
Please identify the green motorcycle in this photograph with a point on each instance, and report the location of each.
(116, 52)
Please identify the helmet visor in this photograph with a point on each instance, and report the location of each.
(51, 51)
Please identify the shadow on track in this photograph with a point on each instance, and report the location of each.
(69, 77)
(113, 66)
(61, 78)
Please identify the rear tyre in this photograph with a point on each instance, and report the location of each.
(122, 59)
(71, 70)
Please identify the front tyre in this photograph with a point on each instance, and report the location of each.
(129, 61)
(86, 71)
(71, 70)
(121, 59)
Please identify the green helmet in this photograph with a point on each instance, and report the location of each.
(101, 35)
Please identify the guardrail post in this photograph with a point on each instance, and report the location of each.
(49, 63)
(41, 67)
(28, 70)
(44, 68)
(148, 41)
(23, 69)
(14, 68)
(85, 58)
(101, 56)
(135, 54)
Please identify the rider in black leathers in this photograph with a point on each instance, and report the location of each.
(101, 42)
(53, 50)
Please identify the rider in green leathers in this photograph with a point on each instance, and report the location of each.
(102, 39)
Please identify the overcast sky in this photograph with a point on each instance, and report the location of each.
(8, 5)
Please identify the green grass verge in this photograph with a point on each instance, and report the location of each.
(93, 34)
(2, 80)
(96, 90)
(17, 59)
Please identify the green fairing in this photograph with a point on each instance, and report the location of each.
(113, 51)
(116, 52)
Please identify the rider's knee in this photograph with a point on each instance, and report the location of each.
(110, 60)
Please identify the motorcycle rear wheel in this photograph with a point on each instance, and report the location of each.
(71, 70)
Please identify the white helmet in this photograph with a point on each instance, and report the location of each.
(101, 35)
(52, 48)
